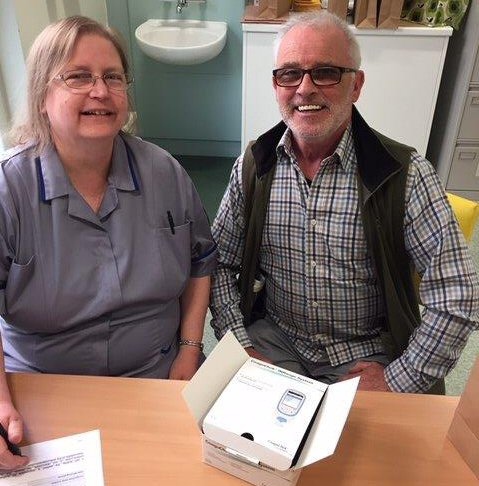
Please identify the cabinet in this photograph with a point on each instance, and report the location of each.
(454, 142)
(403, 70)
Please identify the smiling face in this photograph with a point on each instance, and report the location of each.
(317, 114)
(92, 115)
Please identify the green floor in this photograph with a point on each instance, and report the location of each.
(210, 176)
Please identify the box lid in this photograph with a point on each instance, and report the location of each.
(329, 423)
(205, 387)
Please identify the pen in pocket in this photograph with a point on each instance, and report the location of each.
(171, 222)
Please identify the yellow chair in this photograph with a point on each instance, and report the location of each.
(467, 213)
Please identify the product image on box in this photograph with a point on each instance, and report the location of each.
(290, 403)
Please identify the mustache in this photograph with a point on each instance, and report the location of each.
(309, 100)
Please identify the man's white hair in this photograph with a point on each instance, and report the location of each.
(319, 20)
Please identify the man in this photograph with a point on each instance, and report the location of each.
(337, 292)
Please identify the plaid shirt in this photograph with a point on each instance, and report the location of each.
(321, 287)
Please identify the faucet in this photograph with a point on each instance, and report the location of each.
(180, 5)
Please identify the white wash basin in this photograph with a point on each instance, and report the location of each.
(181, 41)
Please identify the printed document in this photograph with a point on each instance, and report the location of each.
(69, 461)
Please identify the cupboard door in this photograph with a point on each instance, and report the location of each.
(472, 195)
(464, 174)
(469, 128)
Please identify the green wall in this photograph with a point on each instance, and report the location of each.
(188, 110)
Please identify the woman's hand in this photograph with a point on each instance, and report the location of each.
(12, 422)
(185, 364)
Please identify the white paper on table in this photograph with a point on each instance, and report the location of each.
(74, 460)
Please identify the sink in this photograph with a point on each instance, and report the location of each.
(181, 41)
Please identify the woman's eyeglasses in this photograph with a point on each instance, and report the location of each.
(86, 80)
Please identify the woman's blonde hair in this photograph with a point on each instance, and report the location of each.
(51, 50)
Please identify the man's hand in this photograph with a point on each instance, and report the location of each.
(13, 424)
(185, 364)
(371, 374)
(255, 354)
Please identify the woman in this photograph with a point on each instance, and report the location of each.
(105, 248)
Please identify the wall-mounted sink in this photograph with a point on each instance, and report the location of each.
(181, 41)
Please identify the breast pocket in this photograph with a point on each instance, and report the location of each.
(24, 295)
(174, 246)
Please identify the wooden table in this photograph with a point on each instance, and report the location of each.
(149, 437)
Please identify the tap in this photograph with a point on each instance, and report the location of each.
(180, 5)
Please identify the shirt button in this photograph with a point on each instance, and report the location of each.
(313, 222)
(313, 263)
(315, 304)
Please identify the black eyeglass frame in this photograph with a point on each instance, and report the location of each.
(341, 70)
(64, 77)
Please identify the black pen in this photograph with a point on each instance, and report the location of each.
(13, 448)
(172, 223)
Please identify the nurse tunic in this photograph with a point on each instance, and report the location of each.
(98, 293)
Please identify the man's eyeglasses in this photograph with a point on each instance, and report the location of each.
(86, 80)
(321, 76)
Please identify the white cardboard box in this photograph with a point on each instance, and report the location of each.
(265, 413)
(211, 379)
